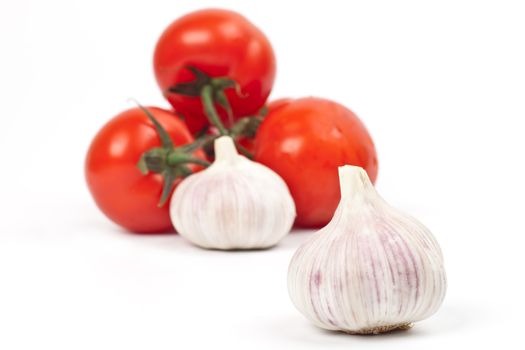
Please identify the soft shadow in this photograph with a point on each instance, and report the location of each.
(294, 239)
(395, 334)
(299, 330)
(451, 318)
(454, 316)
(172, 241)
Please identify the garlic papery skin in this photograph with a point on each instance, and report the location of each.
(372, 269)
(233, 204)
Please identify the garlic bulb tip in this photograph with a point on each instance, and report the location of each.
(225, 149)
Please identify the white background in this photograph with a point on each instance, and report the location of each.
(440, 85)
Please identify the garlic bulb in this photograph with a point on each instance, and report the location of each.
(233, 204)
(372, 269)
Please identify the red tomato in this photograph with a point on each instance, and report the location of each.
(304, 141)
(220, 43)
(127, 197)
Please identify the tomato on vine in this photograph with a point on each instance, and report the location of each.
(133, 164)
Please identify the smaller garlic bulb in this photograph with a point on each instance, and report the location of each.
(372, 269)
(233, 204)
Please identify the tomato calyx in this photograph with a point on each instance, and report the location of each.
(210, 90)
(194, 88)
(169, 161)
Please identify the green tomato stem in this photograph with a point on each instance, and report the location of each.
(209, 109)
(176, 158)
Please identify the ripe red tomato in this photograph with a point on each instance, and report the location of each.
(120, 190)
(304, 141)
(219, 43)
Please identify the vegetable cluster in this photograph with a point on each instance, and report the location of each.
(229, 170)
(217, 70)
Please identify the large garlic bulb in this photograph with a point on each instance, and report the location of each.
(372, 269)
(233, 204)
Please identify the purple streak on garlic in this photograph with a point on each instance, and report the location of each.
(372, 269)
(233, 204)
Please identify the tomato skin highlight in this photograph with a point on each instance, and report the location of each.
(304, 141)
(219, 43)
(123, 194)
